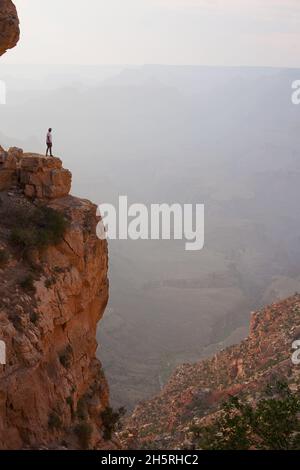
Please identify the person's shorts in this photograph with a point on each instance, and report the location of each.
(49, 145)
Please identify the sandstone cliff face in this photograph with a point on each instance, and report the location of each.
(52, 388)
(9, 26)
(39, 177)
(195, 391)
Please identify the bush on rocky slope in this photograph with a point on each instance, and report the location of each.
(39, 228)
(110, 420)
(273, 424)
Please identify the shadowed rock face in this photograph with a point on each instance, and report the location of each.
(9, 26)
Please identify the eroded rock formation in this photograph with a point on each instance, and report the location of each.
(52, 388)
(9, 26)
(38, 176)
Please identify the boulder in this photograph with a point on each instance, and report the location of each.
(9, 26)
(44, 177)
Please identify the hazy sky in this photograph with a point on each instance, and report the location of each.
(230, 32)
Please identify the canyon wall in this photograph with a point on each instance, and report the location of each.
(195, 392)
(52, 388)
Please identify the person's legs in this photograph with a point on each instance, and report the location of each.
(49, 149)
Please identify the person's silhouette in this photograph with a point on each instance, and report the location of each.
(49, 142)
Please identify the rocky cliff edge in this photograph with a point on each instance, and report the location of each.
(53, 292)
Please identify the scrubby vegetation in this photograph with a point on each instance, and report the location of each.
(272, 424)
(84, 432)
(49, 282)
(70, 403)
(110, 420)
(54, 421)
(27, 284)
(66, 357)
(38, 227)
(82, 410)
(34, 317)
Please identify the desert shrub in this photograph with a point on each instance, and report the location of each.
(272, 424)
(70, 403)
(4, 257)
(50, 282)
(110, 420)
(66, 357)
(52, 224)
(27, 284)
(54, 421)
(60, 270)
(43, 226)
(84, 432)
(81, 410)
(23, 237)
(34, 317)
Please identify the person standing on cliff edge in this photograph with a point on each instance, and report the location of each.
(49, 142)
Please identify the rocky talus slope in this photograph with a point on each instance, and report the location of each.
(195, 391)
(52, 388)
(9, 26)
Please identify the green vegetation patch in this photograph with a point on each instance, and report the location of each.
(27, 284)
(110, 420)
(54, 421)
(36, 228)
(271, 424)
(84, 432)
